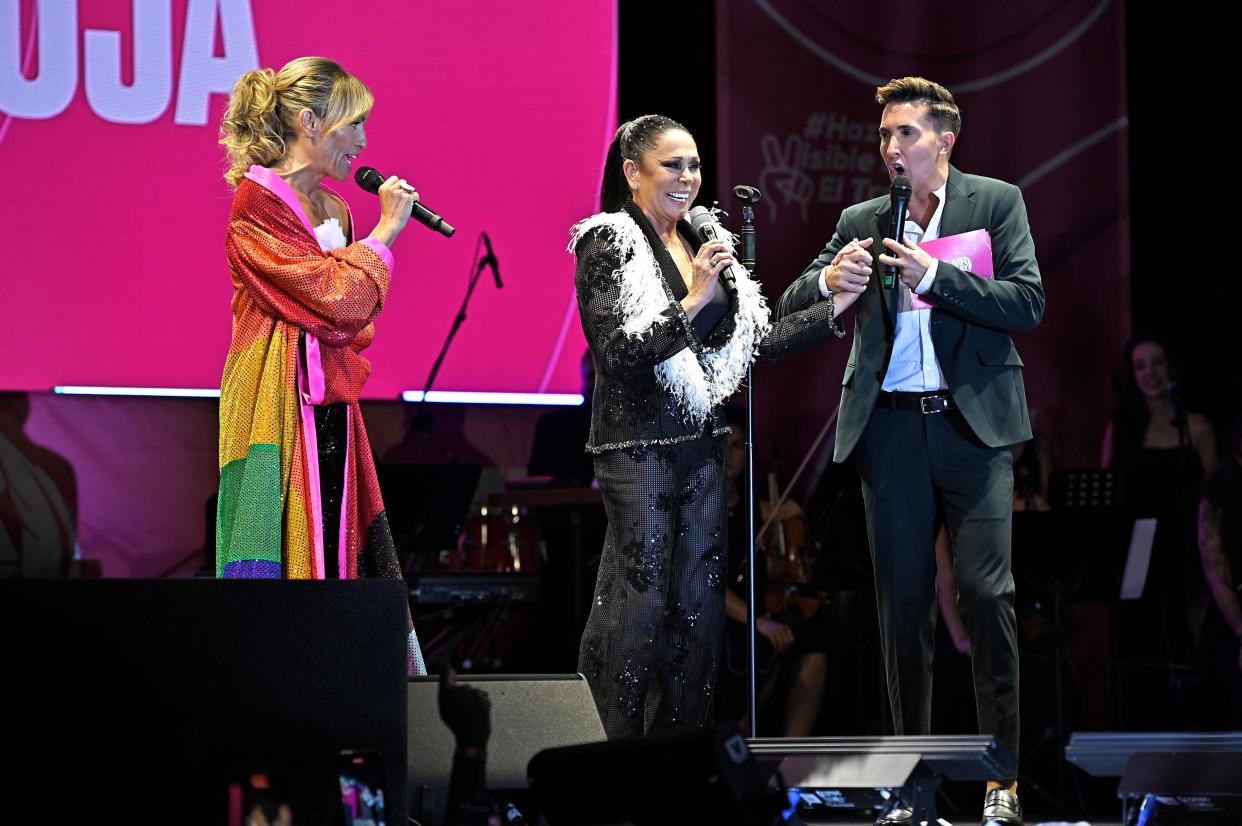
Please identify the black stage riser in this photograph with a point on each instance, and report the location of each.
(138, 701)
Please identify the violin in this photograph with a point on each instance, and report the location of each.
(783, 541)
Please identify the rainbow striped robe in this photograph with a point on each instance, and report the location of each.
(301, 317)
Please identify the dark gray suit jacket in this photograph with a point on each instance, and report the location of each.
(972, 321)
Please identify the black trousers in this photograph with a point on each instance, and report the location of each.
(914, 466)
(652, 642)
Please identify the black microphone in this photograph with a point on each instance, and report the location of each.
(900, 194)
(704, 226)
(1175, 392)
(491, 260)
(369, 178)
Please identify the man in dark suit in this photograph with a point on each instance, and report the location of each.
(930, 401)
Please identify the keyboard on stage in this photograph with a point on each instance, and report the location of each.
(455, 587)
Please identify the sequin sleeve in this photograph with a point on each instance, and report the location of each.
(797, 331)
(598, 285)
(334, 295)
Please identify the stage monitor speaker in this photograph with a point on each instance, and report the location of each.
(835, 776)
(700, 776)
(1167, 777)
(529, 713)
(1107, 754)
(144, 701)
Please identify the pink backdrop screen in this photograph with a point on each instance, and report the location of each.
(114, 271)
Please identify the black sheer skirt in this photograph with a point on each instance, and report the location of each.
(331, 421)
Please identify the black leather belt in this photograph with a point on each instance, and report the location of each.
(925, 403)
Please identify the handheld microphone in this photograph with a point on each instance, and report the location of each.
(369, 178)
(900, 193)
(704, 226)
(491, 260)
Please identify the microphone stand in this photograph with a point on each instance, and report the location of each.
(748, 196)
(422, 418)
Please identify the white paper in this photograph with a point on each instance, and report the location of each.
(1138, 558)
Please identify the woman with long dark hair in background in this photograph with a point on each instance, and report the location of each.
(1151, 428)
(1166, 452)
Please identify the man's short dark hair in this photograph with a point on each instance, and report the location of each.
(941, 110)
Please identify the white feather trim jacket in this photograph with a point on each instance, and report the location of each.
(657, 381)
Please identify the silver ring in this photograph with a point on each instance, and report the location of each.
(713, 260)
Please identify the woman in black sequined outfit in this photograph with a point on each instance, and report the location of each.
(672, 325)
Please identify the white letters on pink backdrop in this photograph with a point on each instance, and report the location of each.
(144, 99)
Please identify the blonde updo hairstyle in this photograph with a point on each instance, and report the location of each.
(261, 121)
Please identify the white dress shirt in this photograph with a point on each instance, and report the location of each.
(913, 367)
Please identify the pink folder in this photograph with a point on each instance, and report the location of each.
(968, 251)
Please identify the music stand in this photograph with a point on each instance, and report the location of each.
(1075, 552)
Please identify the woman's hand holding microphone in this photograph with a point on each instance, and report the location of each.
(397, 199)
(712, 259)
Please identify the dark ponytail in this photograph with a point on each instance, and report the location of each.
(614, 192)
(633, 139)
(1132, 417)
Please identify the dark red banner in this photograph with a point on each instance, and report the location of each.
(1042, 90)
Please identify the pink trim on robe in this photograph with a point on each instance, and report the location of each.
(314, 369)
(279, 187)
(342, 565)
(311, 442)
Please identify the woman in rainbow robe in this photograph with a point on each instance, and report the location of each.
(299, 498)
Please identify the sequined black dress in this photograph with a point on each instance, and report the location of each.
(652, 643)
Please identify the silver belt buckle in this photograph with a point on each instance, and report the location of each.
(933, 404)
